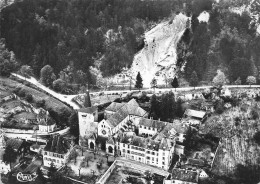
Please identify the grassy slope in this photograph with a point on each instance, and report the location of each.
(54, 106)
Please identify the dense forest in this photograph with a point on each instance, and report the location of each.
(229, 42)
(78, 32)
(73, 36)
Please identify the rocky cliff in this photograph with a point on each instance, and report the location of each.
(236, 128)
(158, 57)
(4, 3)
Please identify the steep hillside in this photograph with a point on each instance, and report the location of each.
(158, 57)
(236, 127)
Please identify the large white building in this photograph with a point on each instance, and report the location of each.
(56, 151)
(129, 133)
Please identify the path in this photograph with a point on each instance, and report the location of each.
(64, 98)
(68, 98)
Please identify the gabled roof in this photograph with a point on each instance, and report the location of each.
(195, 113)
(89, 110)
(48, 121)
(114, 106)
(152, 123)
(110, 140)
(130, 108)
(184, 175)
(57, 144)
(195, 162)
(14, 143)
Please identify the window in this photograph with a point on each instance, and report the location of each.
(148, 158)
(149, 128)
(128, 146)
(128, 151)
(153, 153)
(123, 145)
(163, 158)
(148, 152)
(140, 126)
(163, 163)
(123, 150)
(163, 154)
(58, 161)
(45, 153)
(144, 127)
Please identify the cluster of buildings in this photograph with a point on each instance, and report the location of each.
(127, 131)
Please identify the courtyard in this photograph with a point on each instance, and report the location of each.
(87, 166)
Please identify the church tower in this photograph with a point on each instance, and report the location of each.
(88, 119)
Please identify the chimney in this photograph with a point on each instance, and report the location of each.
(87, 102)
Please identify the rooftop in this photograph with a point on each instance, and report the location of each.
(89, 110)
(152, 123)
(114, 106)
(184, 175)
(195, 113)
(14, 143)
(57, 144)
(130, 108)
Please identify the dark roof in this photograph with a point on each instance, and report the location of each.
(47, 121)
(89, 110)
(184, 175)
(14, 143)
(152, 123)
(130, 108)
(57, 144)
(87, 102)
(114, 106)
(195, 162)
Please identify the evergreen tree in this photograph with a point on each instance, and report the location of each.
(154, 107)
(238, 81)
(154, 84)
(139, 81)
(9, 155)
(194, 81)
(52, 170)
(40, 177)
(179, 109)
(74, 124)
(175, 83)
(26, 71)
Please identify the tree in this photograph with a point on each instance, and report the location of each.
(52, 170)
(26, 71)
(73, 156)
(194, 81)
(251, 80)
(9, 155)
(47, 76)
(139, 81)
(238, 81)
(59, 85)
(40, 176)
(7, 60)
(219, 79)
(257, 137)
(154, 107)
(154, 84)
(87, 159)
(175, 83)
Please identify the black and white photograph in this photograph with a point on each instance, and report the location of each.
(129, 91)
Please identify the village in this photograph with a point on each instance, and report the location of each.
(123, 145)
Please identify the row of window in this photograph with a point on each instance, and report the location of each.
(53, 160)
(53, 154)
(149, 128)
(136, 153)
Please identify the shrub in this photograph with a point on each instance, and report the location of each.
(40, 103)
(21, 93)
(257, 137)
(29, 97)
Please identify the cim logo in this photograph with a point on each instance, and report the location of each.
(26, 177)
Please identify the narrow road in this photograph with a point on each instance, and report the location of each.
(68, 98)
(64, 98)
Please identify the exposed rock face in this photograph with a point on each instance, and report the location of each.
(4, 3)
(236, 128)
(158, 57)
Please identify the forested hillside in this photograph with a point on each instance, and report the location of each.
(228, 41)
(75, 33)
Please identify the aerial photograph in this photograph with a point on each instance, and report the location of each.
(129, 91)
